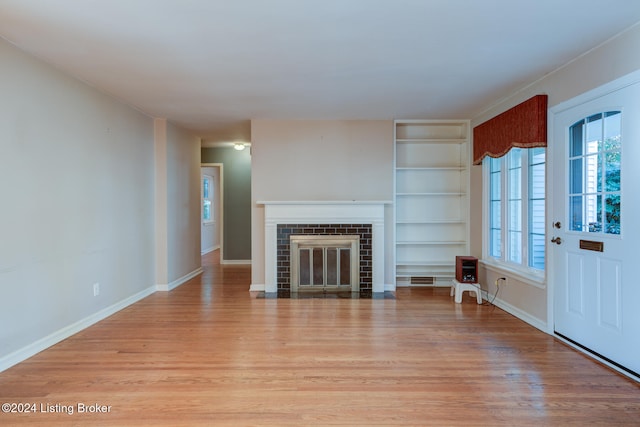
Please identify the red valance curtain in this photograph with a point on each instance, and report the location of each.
(524, 126)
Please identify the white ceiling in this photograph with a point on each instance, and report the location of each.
(212, 65)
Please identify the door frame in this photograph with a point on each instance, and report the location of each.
(593, 94)
(220, 189)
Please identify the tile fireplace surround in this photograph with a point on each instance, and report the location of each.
(284, 257)
(283, 218)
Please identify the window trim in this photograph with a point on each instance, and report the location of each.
(521, 272)
(527, 275)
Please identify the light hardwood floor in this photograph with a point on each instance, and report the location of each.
(209, 353)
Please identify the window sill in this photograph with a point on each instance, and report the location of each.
(524, 275)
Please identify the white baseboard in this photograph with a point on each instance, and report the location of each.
(32, 349)
(514, 311)
(171, 286)
(236, 261)
(255, 287)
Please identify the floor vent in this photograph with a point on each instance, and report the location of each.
(422, 280)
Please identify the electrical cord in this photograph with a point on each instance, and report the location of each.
(497, 292)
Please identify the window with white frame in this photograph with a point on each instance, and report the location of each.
(516, 204)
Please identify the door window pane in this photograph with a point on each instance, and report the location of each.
(612, 132)
(205, 188)
(593, 215)
(612, 171)
(576, 139)
(207, 198)
(593, 142)
(575, 176)
(594, 174)
(612, 207)
(206, 210)
(576, 222)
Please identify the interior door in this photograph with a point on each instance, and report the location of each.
(595, 232)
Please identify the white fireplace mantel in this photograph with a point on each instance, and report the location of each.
(324, 212)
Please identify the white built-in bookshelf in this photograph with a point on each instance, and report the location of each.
(431, 199)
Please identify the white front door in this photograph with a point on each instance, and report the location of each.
(595, 235)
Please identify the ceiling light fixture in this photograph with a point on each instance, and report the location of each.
(238, 146)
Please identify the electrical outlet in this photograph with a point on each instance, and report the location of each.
(96, 289)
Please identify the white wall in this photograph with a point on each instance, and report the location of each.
(318, 160)
(76, 197)
(608, 62)
(177, 188)
(184, 203)
(81, 179)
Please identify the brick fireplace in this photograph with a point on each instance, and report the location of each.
(284, 257)
(286, 218)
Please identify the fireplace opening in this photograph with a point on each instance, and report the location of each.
(284, 259)
(325, 263)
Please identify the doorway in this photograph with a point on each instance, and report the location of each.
(211, 212)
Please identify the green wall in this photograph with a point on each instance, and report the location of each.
(237, 200)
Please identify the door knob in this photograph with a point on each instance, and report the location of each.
(557, 224)
(556, 240)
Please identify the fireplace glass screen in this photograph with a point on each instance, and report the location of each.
(325, 262)
(325, 266)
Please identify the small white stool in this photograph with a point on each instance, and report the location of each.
(457, 288)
